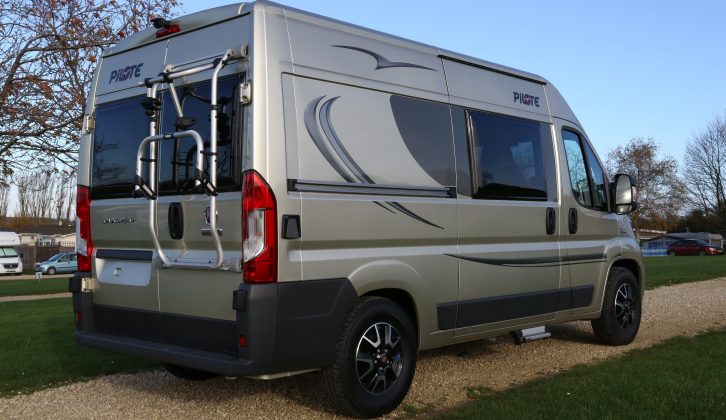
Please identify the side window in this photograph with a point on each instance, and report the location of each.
(63, 258)
(589, 184)
(507, 157)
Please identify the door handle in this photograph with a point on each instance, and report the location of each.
(176, 221)
(550, 221)
(572, 221)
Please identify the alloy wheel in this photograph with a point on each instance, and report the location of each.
(379, 359)
(625, 306)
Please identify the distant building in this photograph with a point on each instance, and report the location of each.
(64, 236)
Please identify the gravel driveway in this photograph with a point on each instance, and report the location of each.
(442, 375)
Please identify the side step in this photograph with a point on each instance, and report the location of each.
(531, 334)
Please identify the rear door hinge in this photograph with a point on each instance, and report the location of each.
(245, 93)
(90, 123)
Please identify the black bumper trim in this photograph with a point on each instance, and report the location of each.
(287, 326)
(220, 363)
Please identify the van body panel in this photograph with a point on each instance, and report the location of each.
(473, 83)
(398, 169)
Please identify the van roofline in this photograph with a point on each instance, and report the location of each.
(209, 17)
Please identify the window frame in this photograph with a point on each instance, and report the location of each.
(473, 161)
(582, 141)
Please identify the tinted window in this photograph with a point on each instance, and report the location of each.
(588, 180)
(176, 174)
(507, 157)
(120, 127)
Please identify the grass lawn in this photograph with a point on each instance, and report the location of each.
(38, 349)
(664, 271)
(33, 287)
(681, 378)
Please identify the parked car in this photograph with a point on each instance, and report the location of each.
(58, 263)
(693, 247)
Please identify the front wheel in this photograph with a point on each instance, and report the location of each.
(50, 271)
(375, 359)
(672, 253)
(702, 253)
(622, 305)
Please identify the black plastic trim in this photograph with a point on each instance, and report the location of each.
(300, 185)
(124, 254)
(492, 69)
(536, 261)
(502, 308)
(288, 327)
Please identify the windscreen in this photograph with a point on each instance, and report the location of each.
(122, 125)
(8, 251)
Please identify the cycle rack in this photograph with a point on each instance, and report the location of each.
(148, 189)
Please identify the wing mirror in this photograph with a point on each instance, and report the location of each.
(625, 194)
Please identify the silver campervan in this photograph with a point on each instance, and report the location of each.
(264, 191)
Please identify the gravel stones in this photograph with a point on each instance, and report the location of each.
(441, 381)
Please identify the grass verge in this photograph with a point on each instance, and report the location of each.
(38, 350)
(33, 287)
(681, 378)
(665, 271)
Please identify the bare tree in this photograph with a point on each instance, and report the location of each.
(48, 49)
(46, 194)
(661, 193)
(4, 198)
(705, 169)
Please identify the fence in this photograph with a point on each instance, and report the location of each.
(32, 254)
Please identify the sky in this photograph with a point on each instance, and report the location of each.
(627, 68)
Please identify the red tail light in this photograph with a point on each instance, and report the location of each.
(259, 229)
(171, 29)
(84, 246)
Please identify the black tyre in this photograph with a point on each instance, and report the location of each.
(50, 271)
(188, 373)
(702, 253)
(672, 253)
(622, 306)
(375, 359)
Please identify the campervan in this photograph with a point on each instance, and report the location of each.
(264, 191)
(10, 260)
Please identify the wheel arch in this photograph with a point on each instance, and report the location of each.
(633, 266)
(403, 299)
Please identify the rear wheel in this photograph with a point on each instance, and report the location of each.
(375, 359)
(187, 373)
(672, 253)
(622, 305)
(50, 271)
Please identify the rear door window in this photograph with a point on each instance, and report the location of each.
(122, 125)
(179, 157)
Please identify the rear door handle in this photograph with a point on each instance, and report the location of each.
(550, 221)
(572, 221)
(176, 221)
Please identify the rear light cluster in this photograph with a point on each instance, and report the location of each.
(259, 229)
(84, 245)
(171, 29)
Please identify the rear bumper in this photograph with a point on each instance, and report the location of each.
(287, 327)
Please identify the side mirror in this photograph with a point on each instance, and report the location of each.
(625, 195)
